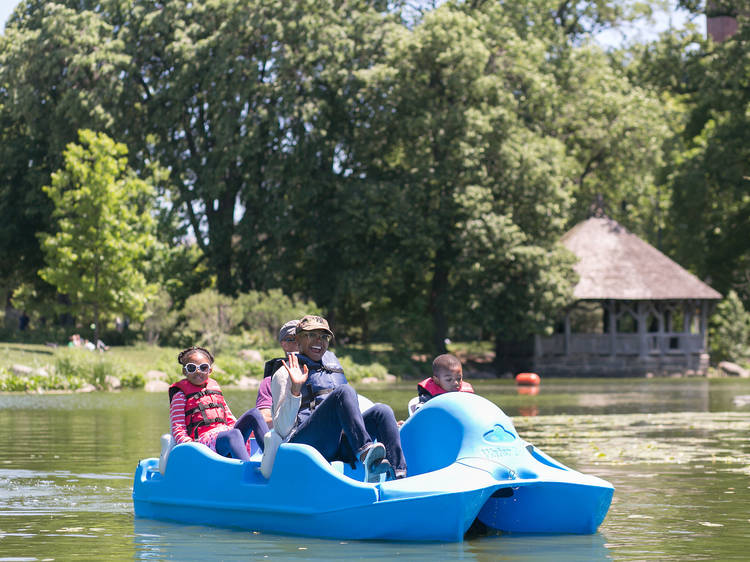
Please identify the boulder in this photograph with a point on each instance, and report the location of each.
(155, 376)
(248, 383)
(251, 355)
(369, 380)
(21, 370)
(111, 382)
(733, 370)
(156, 386)
(86, 388)
(390, 378)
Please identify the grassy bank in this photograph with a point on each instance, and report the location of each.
(33, 367)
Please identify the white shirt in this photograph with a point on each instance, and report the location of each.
(285, 405)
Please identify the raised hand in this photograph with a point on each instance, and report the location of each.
(296, 375)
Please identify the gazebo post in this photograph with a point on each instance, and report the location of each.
(567, 332)
(642, 315)
(660, 320)
(612, 328)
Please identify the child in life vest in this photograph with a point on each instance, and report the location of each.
(447, 376)
(198, 411)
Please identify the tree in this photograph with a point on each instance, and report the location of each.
(105, 228)
(730, 330)
(480, 194)
(707, 159)
(59, 72)
(238, 98)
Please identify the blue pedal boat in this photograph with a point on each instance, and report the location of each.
(465, 459)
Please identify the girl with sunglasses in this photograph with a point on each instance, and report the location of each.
(198, 411)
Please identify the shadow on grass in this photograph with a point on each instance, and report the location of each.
(25, 349)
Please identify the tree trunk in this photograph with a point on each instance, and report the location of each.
(221, 232)
(436, 303)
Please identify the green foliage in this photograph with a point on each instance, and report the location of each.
(221, 323)
(393, 359)
(707, 170)
(411, 179)
(132, 380)
(60, 71)
(93, 368)
(730, 331)
(104, 229)
(28, 383)
(263, 313)
(230, 368)
(160, 317)
(355, 372)
(482, 191)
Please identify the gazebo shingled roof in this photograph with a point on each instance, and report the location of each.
(616, 264)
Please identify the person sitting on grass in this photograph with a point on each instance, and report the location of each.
(198, 411)
(313, 404)
(447, 376)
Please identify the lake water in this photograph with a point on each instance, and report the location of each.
(676, 450)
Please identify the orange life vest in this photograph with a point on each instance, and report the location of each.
(428, 388)
(205, 407)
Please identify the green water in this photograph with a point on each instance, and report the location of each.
(677, 452)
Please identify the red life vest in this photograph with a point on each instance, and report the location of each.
(428, 388)
(205, 407)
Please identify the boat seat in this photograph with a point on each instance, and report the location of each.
(364, 403)
(167, 443)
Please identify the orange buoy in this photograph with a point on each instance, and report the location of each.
(528, 379)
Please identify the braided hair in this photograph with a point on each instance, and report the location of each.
(185, 352)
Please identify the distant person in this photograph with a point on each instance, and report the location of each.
(198, 411)
(314, 405)
(75, 341)
(447, 376)
(23, 321)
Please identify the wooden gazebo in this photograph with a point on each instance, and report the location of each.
(636, 311)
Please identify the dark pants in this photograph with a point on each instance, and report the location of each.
(231, 443)
(338, 430)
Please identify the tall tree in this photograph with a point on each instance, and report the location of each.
(482, 188)
(105, 228)
(59, 71)
(235, 97)
(707, 170)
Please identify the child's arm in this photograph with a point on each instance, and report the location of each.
(177, 418)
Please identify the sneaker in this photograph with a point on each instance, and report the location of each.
(381, 472)
(398, 474)
(371, 456)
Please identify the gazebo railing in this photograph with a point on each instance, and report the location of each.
(625, 344)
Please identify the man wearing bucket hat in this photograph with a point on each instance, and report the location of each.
(313, 404)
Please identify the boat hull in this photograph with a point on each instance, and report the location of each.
(304, 496)
(465, 460)
(536, 494)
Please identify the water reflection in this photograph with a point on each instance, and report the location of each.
(528, 390)
(676, 451)
(161, 540)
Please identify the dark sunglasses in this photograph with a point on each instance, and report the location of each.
(192, 367)
(318, 336)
